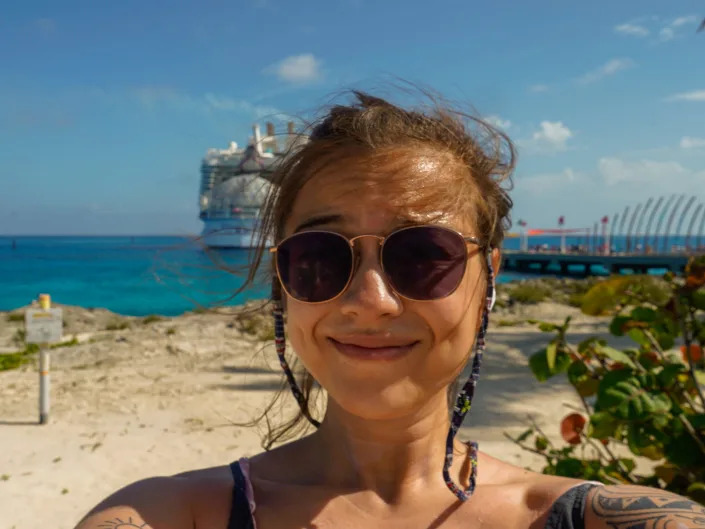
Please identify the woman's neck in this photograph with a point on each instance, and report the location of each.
(395, 457)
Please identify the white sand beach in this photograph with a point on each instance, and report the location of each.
(160, 398)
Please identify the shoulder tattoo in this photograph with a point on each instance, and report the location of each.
(117, 523)
(630, 507)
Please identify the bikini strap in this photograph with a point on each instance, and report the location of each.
(240, 515)
(568, 511)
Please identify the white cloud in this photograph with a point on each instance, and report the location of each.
(552, 137)
(155, 96)
(688, 142)
(669, 31)
(632, 30)
(299, 69)
(682, 21)
(217, 102)
(666, 34)
(552, 183)
(538, 88)
(655, 176)
(664, 29)
(609, 68)
(498, 122)
(695, 95)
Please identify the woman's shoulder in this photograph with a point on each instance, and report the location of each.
(194, 499)
(538, 494)
(557, 502)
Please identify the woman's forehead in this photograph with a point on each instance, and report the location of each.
(404, 190)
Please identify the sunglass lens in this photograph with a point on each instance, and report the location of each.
(425, 262)
(314, 266)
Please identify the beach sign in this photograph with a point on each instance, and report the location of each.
(43, 326)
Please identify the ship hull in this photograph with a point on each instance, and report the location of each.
(230, 233)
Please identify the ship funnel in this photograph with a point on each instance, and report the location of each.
(290, 128)
(257, 137)
(270, 129)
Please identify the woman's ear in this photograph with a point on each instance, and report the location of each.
(496, 258)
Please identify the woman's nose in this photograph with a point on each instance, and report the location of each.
(369, 292)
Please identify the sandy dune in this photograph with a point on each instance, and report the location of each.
(160, 398)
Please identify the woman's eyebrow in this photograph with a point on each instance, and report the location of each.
(318, 221)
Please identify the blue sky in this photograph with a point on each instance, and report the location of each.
(107, 108)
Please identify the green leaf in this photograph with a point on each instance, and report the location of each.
(603, 425)
(570, 467)
(639, 337)
(588, 344)
(538, 362)
(576, 371)
(525, 435)
(682, 450)
(580, 378)
(541, 443)
(604, 297)
(700, 376)
(696, 491)
(697, 420)
(665, 340)
(644, 314)
(699, 300)
(551, 355)
(627, 398)
(617, 324)
(545, 326)
(616, 355)
(668, 375)
(645, 441)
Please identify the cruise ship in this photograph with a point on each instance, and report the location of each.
(234, 185)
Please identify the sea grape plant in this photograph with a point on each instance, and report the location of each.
(641, 404)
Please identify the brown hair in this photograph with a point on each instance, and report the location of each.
(478, 157)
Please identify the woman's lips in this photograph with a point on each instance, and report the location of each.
(387, 352)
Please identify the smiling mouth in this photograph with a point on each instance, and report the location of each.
(385, 352)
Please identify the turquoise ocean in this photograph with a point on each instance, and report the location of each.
(136, 275)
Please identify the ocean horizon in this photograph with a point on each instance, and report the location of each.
(138, 275)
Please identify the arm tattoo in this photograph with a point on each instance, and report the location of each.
(117, 523)
(626, 507)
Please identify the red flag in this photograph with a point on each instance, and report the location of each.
(605, 219)
(561, 220)
(521, 223)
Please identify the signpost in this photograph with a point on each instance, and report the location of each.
(43, 326)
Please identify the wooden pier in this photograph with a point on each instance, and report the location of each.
(583, 264)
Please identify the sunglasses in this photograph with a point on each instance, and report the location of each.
(420, 263)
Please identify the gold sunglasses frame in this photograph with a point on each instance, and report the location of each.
(381, 240)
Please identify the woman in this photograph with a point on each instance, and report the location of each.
(388, 225)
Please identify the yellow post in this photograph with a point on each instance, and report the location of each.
(44, 381)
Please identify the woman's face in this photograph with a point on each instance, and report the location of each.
(427, 342)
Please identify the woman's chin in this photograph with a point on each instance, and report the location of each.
(369, 402)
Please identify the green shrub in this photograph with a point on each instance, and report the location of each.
(18, 337)
(15, 360)
(646, 398)
(509, 323)
(151, 319)
(15, 317)
(529, 293)
(117, 325)
(73, 341)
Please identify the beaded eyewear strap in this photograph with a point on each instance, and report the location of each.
(463, 401)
